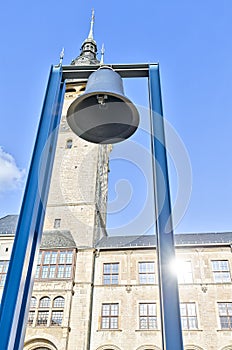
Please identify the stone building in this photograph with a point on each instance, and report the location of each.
(105, 296)
(95, 292)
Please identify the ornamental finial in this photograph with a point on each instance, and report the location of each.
(102, 54)
(61, 56)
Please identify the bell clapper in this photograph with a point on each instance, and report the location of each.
(101, 99)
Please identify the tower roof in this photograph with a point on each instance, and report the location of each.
(88, 49)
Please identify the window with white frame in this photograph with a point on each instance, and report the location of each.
(33, 302)
(225, 315)
(188, 315)
(55, 264)
(109, 316)
(110, 273)
(42, 318)
(221, 271)
(3, 271)
(147, 316)
(31, 317)
(43, 312)
(58, 302)
(57, 317)
(184, 271)
(57, 311)
(147, 272)
(45, 302)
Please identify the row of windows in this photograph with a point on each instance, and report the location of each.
(148, 316)
(46, 312)
(46, 302)
(146, 272)
(50, 265)
(59, 265)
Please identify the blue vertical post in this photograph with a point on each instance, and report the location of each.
(19, 281)
(169, 295)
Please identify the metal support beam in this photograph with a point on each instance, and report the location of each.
(19, 281)
(169, 296)
(139, 70)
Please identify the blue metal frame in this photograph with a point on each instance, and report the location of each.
(169, 296)
(20, 276)
(19, 281)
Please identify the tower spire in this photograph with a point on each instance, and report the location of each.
(88, 48)
(90, 36)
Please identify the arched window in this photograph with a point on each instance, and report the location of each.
(58, 302)
(69, 143)
(44, 302)
(33, 302)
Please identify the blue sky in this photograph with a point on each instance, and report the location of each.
(192, 42)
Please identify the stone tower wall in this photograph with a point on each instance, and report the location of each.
(78, 192)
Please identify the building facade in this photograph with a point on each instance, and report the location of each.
(95, 292)
(107, 296)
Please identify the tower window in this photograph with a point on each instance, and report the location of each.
(57, 223)
(69, 143)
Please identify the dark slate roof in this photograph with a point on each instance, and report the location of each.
(50, 239)
(8, 224)
(180, 240)
(57, 239)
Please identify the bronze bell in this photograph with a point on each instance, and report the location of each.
(103, 114)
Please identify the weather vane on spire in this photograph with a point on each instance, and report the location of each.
(90, 36)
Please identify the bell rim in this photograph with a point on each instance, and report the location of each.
(93, 93)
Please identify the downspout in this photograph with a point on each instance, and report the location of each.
(95, 254)
(71, 300)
